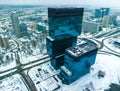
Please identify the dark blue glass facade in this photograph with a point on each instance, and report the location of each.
(23, 29)
(78, 60)
(64, 27)
(101, 12)
(65, 21)
(97, 13)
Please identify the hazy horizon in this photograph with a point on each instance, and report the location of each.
(111, 3)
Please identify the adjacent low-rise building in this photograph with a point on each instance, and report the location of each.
(78, 60)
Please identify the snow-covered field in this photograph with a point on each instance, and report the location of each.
(105, 71)
(13, 83)
(110, 44)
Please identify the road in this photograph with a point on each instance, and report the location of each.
(107, 34)
(21, 68)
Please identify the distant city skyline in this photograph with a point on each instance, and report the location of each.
(111, 3)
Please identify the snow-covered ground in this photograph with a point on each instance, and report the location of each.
(110, 44)
(32, 48)
(8, 61)
(7, 56)
(105, 71)
(13, 83)
(44, 77)
(108, 64)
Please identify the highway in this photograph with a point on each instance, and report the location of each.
(21, 68)
(107, 34)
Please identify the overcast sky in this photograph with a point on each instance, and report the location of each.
(64, 2)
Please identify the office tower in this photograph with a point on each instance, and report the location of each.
(112, 19)
(1, 42)
(5, 41)
(117, 21)
(91, 27)
(65, 21)
(56, 49)
(64, 27)
(105, 11)
(15, 23)
(99, 13)
(23, 29)
(105, 21)
(78, 60)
